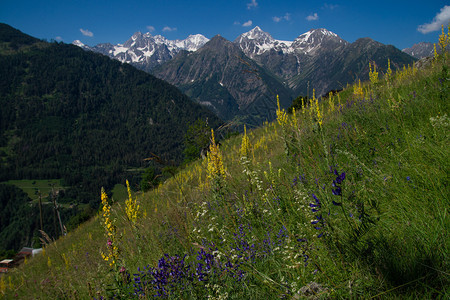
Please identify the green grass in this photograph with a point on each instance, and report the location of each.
(286, 218)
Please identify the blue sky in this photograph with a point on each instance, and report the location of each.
(400, 23)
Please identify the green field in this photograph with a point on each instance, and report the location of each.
(33, 187)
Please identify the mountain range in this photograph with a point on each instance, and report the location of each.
(239, 80)
(420, 50)
(145, 51)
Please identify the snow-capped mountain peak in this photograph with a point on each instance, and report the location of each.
(148, 50)
(192, 43)
(314, 39)
(256, 42)
(78, 43)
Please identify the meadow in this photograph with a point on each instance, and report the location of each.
(33, 187)
(347, 197)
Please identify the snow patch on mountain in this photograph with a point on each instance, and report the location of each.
(256, 42)
(148, 49)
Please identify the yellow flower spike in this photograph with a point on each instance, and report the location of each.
(319, 114)
(245, 145)
(331, 100)
(215, 168)
(282, 117)
(311, 104)
(131, 206)
(389, 72)
(10, 284)
(373, 74)
(2, 285)
(294, 118)
(443, 41)
(110, 231)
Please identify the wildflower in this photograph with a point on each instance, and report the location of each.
(245, 146)
(357, 90)
(319, 114)
(331, 100)
(373, 75)
(215, 162)
(389, 72)
(443, 41)
(337, 191)
(282, 117)
(112, 254)
(131, 206)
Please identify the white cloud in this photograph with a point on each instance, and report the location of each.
(236, 23)
(442, 18)
(277, 19)
(252, 4)
(167, 28)
(330, 6)
(58, 38)
(312, 17)
(248, 23)
(286, 17)
(86, 32)
(150, 28)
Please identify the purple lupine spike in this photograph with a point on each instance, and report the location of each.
(337, 191)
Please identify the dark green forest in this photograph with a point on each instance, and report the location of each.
(81, 117)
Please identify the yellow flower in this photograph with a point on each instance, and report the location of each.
(110, 232)
(282, 117)
(131, 206)
(215, 162)
(319, 114)
(245, 145)
(373, 75)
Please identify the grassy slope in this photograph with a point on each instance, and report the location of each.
(385, 235)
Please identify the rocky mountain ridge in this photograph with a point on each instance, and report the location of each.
(146, 51)
(420, 50)
(230, 77)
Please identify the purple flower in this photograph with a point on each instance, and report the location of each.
(337, 203)
(337, 191)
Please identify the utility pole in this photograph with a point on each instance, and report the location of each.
(40, 209)
(57, 209)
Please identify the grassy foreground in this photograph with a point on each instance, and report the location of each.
(346, 198)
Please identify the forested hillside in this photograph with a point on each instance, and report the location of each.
(84, 118)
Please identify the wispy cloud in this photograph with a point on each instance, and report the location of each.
(442, 18)
(58, 38)
(312, 17)
(237, 23)
(169, 29)
(330, 6)
(286, 17)
(86, 32)
(252, 4)
(150, 28)
(248, 23)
